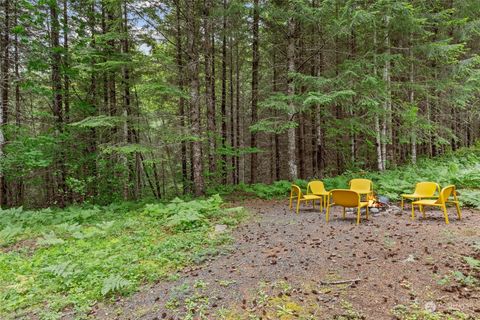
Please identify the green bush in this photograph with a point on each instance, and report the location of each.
(461, 168)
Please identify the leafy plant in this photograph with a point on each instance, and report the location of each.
(114, 283)
(80, 255)
(9, 233)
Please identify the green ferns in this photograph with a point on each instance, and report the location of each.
(55, 260)
(461, 168)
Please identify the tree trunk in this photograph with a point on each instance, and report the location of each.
(412, 102)
(57, 96)
(232, 111)
(378, 132)
(181, 102)
(66, 64)
(193, 73)
(292, 161)
(5, 87)
(132, 170)
(209, 86)
(238, 107)
(255, 65)
(387, 148)
(224, 93)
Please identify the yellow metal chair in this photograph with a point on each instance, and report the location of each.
(318, 188)
(346, 199)
(441, 202)
(295, 191)
(422, 190)
(362, 187)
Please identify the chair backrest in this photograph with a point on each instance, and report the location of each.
(345, 198)
(295, 190)
(361, 185)
(426, 189)
(316, 187)
(445, 194)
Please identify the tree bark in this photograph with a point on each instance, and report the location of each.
(292, 161)
(209, 86)
(193, 73)
(181, 102)
(224, 93)
(57, 96)
(5, 88)
(232, 111)
(255, 65)
(412, 101)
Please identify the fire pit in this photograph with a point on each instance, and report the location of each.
(380, 203)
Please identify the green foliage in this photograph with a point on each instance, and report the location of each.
(114, 283)
(472, 262)
(53, 260)
(98, 121)
(461, 168)
(415, 312)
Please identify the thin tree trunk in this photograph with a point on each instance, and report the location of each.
(128, 139)
(255, 65)
(237, 104)
(292, 161)
(181, 102)
(378, 132)
(224, 93)
(387, 149)
(66, 64)
(92, 149)
(5, 87)
(19, 183)
(412, 102)
(193, 72)
(209, 86)
(57, 96)
(301, 146)
(232, 111)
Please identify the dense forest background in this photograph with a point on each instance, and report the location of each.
(104, 100)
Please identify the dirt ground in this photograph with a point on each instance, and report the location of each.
(288, 266)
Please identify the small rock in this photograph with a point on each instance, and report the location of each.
(220, 228)
(411, 258)
(430, 307)
(395, 209)
(374, 210)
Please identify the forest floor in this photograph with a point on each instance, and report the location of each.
(287, 266)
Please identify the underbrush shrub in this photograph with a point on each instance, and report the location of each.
(461, 168)
(53, 260)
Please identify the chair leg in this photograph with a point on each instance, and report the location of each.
(298, 205)
(358, 215)
(445, 213)
(291, 201)
(321, 204)
(327, 213)
(402, 204)
(459, 212)
(422, 210)
(313, 202)
(343, 212)
(413, 211)
(366, 210)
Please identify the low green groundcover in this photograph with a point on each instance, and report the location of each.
(56, 261)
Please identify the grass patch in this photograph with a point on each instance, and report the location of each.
(461, 168)
(415, 312)
(54, 262)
